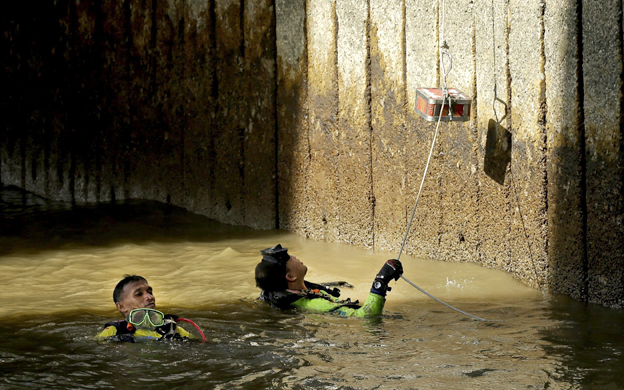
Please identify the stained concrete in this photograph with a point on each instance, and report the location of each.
(260, 190)
(323, 185)
(493, 144)
(389, 128)
(301, 115)
(231, 112)
(293, 156)
(604, 151)
(355, 192)
(528, 236)
(565, 136)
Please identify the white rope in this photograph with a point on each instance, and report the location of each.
(442, 302)
(442, 41)
(409, 226)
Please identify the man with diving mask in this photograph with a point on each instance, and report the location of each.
(135, 300)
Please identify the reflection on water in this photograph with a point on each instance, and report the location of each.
(59, 264)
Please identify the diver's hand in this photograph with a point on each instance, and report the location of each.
(392, 269)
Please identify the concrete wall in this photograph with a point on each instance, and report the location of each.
(300, 115)
(167, 100)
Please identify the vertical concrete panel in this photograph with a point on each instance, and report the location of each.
(229, 139)
(83, 120)
(421, 47)
(53, 68)
(139, 158)
(355, 200)
(493, 142)
(200, 109)
(421, 29)
(388, 98)
(566, 245)
(602, 74)
(34, 27)
(260, 191)
(40, 31)
(529, 229)
(117, 100)
(174, 177)
(175, 99)
(15, 42)
(66, 167)
(6, 56)
(292, 115)
(94, 96)
(57, 161)
(156, 132)
(459, 186)
(323, 110)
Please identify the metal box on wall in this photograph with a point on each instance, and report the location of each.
(429, 103)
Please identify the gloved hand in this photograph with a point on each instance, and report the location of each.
(391, 270)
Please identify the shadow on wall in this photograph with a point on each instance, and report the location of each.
(497, 152)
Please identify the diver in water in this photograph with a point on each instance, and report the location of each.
(135, 300)
(281, 278)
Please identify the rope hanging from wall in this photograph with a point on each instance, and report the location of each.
(441, 104)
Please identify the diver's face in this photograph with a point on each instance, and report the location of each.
(296, 268)
(136, 295)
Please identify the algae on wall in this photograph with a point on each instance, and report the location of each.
(532, 185)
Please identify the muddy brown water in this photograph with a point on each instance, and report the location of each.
(59, 264)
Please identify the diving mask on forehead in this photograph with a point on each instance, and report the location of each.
(275, 255)
(146, 318)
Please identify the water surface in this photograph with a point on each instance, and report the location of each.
(59, 264)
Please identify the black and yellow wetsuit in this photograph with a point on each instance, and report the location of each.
(121, 330)
(320, 299)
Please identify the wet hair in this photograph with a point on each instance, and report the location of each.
(271, 276)
(118, 292)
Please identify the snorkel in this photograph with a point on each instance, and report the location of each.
(196, 327)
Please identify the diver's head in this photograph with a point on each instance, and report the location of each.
(133, 292)
(279, 271)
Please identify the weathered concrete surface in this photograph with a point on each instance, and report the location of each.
(229, 142)
(301, 114)
(260, 191)
(604, 151)
(388, 100)
(355, 192)
(565, 136)
(199, 153)
(292, 115)
(493, 143)
(172, 101)
(529, 229)
(323, 212)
